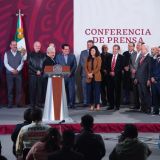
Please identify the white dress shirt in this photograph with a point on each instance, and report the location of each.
(8, 67)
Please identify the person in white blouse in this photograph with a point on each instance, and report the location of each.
(13, 62)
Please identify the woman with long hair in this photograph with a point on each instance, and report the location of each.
(93, 74)
(49, 144)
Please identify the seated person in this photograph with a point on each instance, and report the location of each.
(129, 146)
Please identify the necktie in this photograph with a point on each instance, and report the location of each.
(113, 63)
(142, 59)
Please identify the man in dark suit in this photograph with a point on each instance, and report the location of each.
(68, 59)
(127, 83)
(134, 61)
(142, 77)
(89, 144)
(104, 83)
(155, 79)
(35, 65)
(83, 57)
(49, 61)
(114, 67)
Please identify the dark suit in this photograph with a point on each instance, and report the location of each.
(69, 81)
(90, 145)
(127, 82)
(35, 63)
(48, 62)
(104, 83)
(155, 73)
(115, 81)
(83, 57)
(143, 75)
(134, 61)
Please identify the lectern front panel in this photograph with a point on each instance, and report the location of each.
(57, 94)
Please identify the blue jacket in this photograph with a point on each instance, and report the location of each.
(71, 61)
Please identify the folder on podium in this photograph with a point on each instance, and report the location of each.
(55, 108)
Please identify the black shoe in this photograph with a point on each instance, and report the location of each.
(85, 105)
(116, 108)
(110, 108)
(135, 108)
(155, 113)
(9, 106)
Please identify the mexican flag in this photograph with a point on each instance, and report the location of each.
(19, 36)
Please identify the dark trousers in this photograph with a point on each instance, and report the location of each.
(35, 90)
(70, 90)
(104, 90)
(114, 91)
(145, 96)
(44, 88)
(93, 92)
(127, 85)
(11, 81)
(156, 97)
(135, 95)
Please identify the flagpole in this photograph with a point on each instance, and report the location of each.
(19, 13)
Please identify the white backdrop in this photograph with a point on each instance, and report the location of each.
(135, 15)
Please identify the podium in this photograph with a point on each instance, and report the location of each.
(55, 108)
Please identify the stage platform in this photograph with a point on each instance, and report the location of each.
(105, 121)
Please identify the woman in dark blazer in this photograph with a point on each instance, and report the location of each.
(93, 74)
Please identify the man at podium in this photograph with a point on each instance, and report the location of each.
(68, 59)
(49, 61)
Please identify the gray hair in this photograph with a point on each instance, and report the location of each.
(147, 47)
(51, 49)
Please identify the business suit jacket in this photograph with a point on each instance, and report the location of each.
(144, 70)
(83, 57)
(118, 67)
(134, 63)
(71, 62)
(96, 69)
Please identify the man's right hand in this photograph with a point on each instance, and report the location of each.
(135, 81)
(153, 80)
(14, 71)
(38, 73)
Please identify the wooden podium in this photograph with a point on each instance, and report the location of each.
(55, 108)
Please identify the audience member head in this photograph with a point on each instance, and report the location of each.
(93, 52)
(90, 43)
(144, 49)
(116, 49)
(36, 115)
(52, 139)
(68, 138)
(13, 46)
(87, 122)
(65, 49)
(37, 46)
(131, 46)
(130, 131)
(27, 115)
(51, 52)
(104, 48)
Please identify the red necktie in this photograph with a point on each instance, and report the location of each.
(142, 59)
(113, 63)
